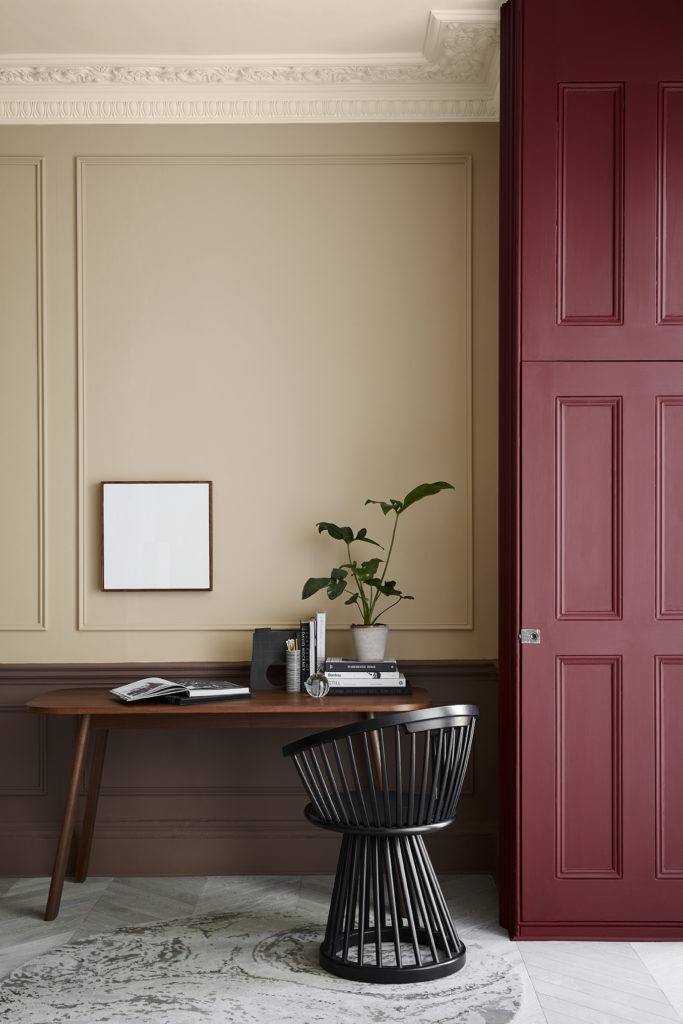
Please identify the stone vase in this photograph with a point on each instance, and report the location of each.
(369, 642)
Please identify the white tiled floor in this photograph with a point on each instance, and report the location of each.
(565, 982)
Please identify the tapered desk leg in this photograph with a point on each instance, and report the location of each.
(374, 743)
(377, 758)
(59, 871)
(90, 814)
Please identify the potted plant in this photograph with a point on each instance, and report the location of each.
(364, 583)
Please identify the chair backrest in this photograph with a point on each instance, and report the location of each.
(401, 771)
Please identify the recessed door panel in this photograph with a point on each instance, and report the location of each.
(670, 182)
(588, 523)
(588, 767)
(669, 504)
(669, 760)
(591, 208)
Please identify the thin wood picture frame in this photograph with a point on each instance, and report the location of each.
(156, 535)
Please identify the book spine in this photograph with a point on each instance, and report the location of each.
(362, 667)
(303, 646)
(369, 685)
(364, 677)
(320, 628)
(311, 648)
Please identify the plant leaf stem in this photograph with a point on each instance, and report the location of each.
(384, 573)
(385, 610)
(367, 608)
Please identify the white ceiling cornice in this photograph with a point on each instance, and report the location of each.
(455, 78)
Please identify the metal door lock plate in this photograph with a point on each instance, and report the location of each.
(530, 636)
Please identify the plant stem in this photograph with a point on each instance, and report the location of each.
(385, 610)
(386, 566)
(367, 608)
(391, 546)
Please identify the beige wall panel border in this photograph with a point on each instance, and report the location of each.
(40, 623)
(82, 164)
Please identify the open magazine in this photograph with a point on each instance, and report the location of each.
(179, 691)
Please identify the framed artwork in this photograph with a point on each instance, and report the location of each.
(157, 535)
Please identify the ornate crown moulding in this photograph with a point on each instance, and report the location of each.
(454, 79)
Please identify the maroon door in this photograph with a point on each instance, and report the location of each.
(602, 694)
(592, 468)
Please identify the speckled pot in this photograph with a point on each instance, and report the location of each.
(369, 642)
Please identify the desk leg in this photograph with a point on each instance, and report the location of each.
(90, 814)
(377, 758)
(374, 744)
(59, 871)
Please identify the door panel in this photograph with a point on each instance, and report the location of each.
(670, 226)
(602, 180)
(602, 694)
(588, 538)
(588, 767)
(590, 204)
(669, 766)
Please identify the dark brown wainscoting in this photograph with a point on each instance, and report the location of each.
(201, 802)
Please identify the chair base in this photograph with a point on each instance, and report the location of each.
(388, 920)
(386, 974)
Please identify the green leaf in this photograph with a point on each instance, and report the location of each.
(313, 585)
(353, 599)
(344, 533)
(338, 574)
(335, 589)
(371, 566)
(362, 535)
(423, 491)
(384, 505)
(389, 589)
(362, 574)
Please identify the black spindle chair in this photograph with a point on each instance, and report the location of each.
(384, 783)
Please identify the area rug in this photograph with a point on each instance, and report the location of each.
(239, 968)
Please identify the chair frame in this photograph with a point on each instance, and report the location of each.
(386, 893)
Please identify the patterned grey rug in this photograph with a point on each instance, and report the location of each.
(242, 968)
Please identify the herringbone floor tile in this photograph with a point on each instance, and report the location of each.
(565, 982)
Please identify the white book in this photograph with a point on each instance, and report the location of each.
(348, 682)
(320, 626)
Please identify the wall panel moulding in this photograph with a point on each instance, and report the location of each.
(454, 78)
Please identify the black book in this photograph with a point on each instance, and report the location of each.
(305, 648)
(179, 699)
(345, 668)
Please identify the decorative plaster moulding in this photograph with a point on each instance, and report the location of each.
(455, 78)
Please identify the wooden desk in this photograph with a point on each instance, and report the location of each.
(98, 711)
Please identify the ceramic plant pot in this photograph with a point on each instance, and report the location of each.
(369, 642)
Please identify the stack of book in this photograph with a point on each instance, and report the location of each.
(370, 677)
(312, 646)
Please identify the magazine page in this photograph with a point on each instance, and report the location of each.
(152, 686)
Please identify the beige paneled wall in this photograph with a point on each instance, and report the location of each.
(22, 409)
(304, 315)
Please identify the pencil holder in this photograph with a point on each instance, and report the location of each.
(293, 671)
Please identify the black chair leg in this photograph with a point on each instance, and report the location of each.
(388, 919)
